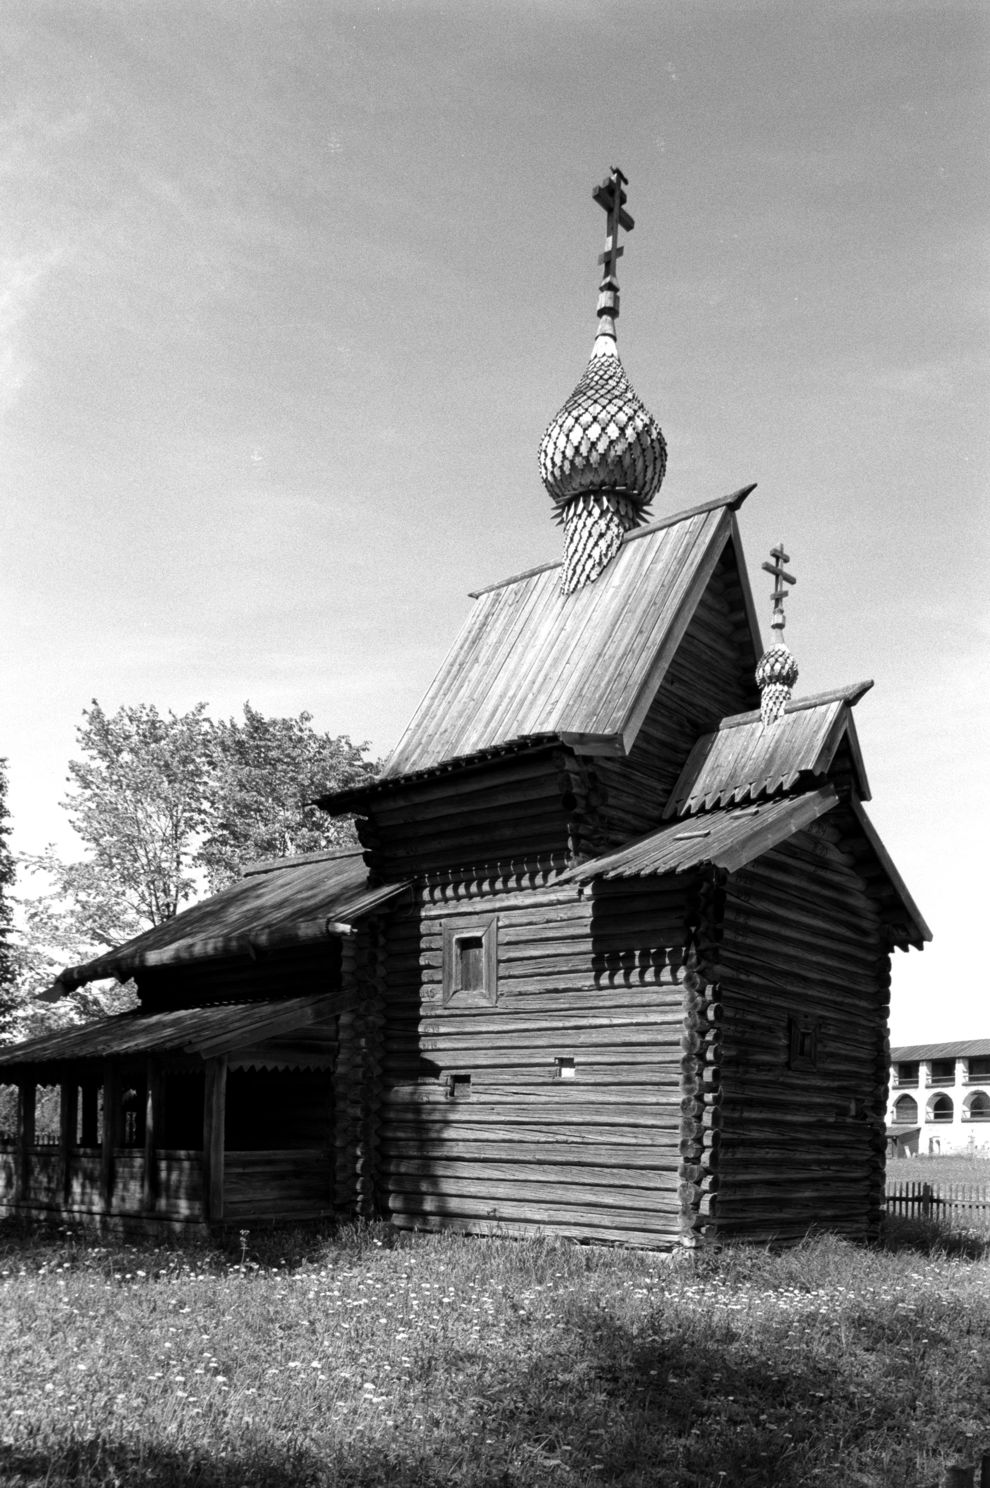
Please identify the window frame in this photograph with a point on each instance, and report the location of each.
(471, 927)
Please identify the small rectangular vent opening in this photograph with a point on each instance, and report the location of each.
(564, 1068)
(458, 1087)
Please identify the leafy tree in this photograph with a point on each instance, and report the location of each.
(266, 773)
(166, 802)
(8, 969)
(141, 803)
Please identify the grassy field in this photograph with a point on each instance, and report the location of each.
(935, 1170)
(367, 1359)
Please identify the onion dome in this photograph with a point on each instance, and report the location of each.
(603, 457)
(776, 674)
(603, 439)
(776, 670)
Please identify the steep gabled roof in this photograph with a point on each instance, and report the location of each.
(284, 902)
(583, 667)
(744, 761)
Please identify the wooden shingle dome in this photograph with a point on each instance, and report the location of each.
(603, 456)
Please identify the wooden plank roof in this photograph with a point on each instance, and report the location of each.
(744, 761)
(730, 837)
(530, 661)
(205, 1031)
(955, 1049)
(727, 839)
(284, 902)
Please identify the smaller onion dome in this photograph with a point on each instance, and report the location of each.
(776, 670)
(776, 674)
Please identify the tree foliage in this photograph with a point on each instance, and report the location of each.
(169, 806)
(8, 968)
(265, 774)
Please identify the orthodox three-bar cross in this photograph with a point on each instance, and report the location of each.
(780, 579)
(610, 196)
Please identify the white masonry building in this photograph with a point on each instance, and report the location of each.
(939, 1098)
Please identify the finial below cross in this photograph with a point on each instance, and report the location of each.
(610, 196)
(780, 579)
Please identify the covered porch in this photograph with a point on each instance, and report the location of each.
(199, 1117)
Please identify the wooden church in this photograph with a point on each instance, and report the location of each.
(612, 960)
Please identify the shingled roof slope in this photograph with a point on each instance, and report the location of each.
(198, 1031)
(731, 837)
(532, 661)
(282, 902)
(742, 760)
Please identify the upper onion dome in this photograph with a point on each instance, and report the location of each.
(604, 442)
(604, 438)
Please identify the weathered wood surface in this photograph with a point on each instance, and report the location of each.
(795, 1143)
(277, 1184)
(530, 660)
(711, 674)
(72, 1186)
(597, 983)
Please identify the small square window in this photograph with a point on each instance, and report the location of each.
(564, 1068)
(803, 1035)
(458, 1087)
(470, 960)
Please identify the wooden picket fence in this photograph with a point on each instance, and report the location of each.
(942, 1201)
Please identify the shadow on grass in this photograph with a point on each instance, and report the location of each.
(102, 1462)
(934, 1237)
(270, 1248)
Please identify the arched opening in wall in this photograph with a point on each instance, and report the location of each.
(940, 1108)
(906, 1110)
(976, 1107)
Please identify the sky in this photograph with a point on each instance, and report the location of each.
(291, 289)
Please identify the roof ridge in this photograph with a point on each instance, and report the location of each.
(295, 860)
(850, 694)
(733, 502)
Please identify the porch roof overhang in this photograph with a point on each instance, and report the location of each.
(276, 905)
(203, 1032)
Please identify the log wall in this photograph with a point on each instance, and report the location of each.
(799, 1060)
(514, 810)
(557, 1106)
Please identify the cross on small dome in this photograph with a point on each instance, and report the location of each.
(776, 671)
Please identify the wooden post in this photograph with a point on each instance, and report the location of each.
(926, 1200)
(151, 1115)
(25, 1138)
(109, 1134)
(68, 1112)
(214, 1112)
(90, 1094)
